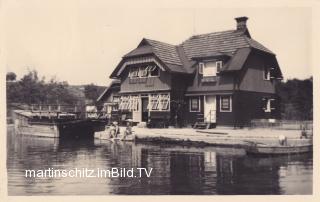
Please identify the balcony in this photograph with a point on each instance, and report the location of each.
(209, 79)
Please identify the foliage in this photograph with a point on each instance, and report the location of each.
(92, 92)
(11, 76)
(32, 90)
(296, 99)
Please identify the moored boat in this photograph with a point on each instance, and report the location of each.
(53, 124)
(264, 149)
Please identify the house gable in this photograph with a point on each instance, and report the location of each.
(136, 61)
(252, 75)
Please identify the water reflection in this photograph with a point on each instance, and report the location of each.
(176, 169)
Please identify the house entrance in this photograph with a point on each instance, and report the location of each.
(210, 108)
(144, 111)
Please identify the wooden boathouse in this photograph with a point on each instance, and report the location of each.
(222, 78)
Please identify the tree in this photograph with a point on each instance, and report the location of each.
(11, 76)
(32, 90)
(296, 99)
(92, 92)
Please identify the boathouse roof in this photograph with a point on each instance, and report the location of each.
(235, 44)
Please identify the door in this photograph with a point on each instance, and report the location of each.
(210, 108)
(144, 111)
(136, 113)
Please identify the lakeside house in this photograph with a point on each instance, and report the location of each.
(221, 78)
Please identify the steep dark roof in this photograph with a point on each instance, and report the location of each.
(167, 53)
(114, 85)
(142, 50)
(181, 58)
(238, 60)
(219, 42)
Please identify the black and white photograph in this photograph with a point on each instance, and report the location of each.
(120, 98)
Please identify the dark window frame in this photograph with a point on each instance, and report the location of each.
(229, 103)
(191, 107)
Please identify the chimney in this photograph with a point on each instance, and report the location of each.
(241, 23)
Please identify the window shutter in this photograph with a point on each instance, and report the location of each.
(201, 66)
(264, 103)
(272, 73)
(219, 65)
(272, 104)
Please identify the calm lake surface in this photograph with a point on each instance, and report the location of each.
(176, 169)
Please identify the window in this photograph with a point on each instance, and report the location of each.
(134, 103)
(195, 104)
(154, 102)
(210, 68)
(154, 71)
(159, 102)
(268, 104)
(201, 66)
(266, 73)
(226, 103)
(164, 102)
(124, 103)
(143, 72)
(134, 72)
(130, 103)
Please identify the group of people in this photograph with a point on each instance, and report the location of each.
(114, 130)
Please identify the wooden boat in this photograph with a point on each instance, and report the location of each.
(53, 124)
(264, 149)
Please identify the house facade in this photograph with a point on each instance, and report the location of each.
(220, 78)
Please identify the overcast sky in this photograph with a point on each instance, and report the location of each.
(81, 41)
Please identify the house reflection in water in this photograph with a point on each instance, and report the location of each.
(176, 169)
(204, 172)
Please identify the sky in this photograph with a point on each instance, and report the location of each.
(82, 41)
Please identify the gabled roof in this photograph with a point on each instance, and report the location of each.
(182, 58)
(167, 53)
(219, 42)
(114, 85)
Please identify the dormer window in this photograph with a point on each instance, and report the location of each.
(210, 68)
(143, 72)
(266, 73)
(154, 71)
(134, 72)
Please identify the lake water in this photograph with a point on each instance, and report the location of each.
(177, 170)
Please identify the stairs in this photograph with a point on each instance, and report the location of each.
(201, 124)
(204, 125)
